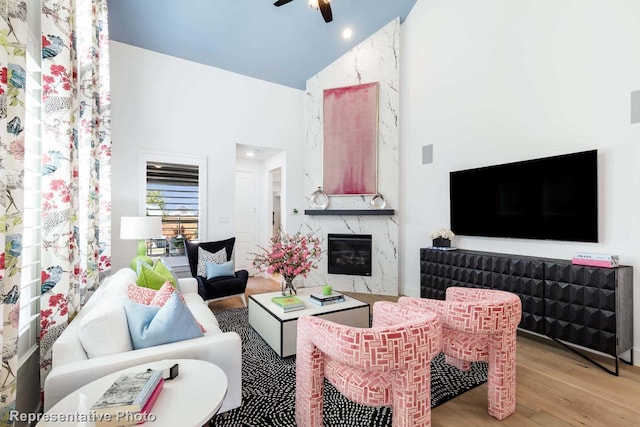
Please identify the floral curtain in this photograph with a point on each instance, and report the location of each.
(76, 141)
(13, 39)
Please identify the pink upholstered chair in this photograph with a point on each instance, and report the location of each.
(386, 365)
(480, 325)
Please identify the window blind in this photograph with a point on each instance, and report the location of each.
(172, 192)
(31, 239)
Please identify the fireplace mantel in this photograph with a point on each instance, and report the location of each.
(350, 212)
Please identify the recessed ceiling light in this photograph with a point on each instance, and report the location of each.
(347, 33)
(250, 154)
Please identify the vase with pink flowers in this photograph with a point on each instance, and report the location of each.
(289, 255)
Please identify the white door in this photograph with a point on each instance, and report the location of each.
(246, 219)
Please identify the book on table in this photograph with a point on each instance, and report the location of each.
(126, 418)
(605, 257)
(130, 392)
(288, 303)
(596, 260)
(330, 297)
(146, 409)
(326, 299)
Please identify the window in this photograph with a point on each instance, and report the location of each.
(174, 189)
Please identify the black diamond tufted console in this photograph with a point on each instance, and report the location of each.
(591, 307)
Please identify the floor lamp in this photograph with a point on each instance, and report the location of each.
(140, 228)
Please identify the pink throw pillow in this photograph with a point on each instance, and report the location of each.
(139, 294)
(155, 298)
(163, 294)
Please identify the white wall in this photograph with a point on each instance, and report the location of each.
(496, 81)
(167, 104)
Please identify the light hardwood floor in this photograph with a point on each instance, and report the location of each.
(555, 387)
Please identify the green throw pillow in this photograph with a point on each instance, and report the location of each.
(154, 277)
(161, 267)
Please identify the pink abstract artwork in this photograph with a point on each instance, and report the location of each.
(350, 140)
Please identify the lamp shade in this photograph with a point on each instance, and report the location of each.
(140, 227)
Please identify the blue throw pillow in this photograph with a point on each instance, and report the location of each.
(150, 326)
(219, 270)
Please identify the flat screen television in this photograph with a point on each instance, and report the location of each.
(552, 198)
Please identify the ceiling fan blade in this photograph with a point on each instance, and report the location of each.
(281, 2)
(325, 9)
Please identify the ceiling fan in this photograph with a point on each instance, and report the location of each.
(323, 5)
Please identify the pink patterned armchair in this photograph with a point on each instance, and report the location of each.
(386, 365)
(480, 325)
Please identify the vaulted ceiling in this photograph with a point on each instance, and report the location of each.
(285, 45)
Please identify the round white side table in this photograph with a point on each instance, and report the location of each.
(189, 400)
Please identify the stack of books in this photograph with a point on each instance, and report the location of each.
(129, 399)
(596, 260)
(290, 303)
(321, 299)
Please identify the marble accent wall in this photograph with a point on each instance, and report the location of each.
(374, 60)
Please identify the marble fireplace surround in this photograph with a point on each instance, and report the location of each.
(374, 60)
(384, 265)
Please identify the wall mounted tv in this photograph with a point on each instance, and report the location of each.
(553, 198)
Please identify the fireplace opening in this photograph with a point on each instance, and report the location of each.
(349, 254)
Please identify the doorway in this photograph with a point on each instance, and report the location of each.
(275, 177)
(259, 200)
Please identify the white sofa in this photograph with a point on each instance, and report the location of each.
(71, 368)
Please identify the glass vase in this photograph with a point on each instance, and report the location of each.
(287, 285)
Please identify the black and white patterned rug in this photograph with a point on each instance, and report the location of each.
(268, 385)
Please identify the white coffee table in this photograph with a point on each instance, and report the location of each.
(279, 329)
(189, 400)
